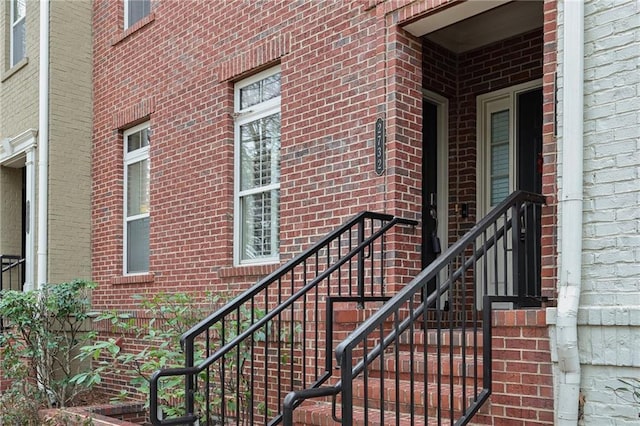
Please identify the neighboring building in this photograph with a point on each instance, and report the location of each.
(228, 137)
(609, 310)
(45, 151)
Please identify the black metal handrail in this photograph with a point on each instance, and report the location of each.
(12, 271)
(446, 376)
(12, 275)
(268, 341)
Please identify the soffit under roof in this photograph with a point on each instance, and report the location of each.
(475, 23)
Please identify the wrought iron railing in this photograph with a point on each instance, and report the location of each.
(272, 339)
(12, 275)
(412, 362)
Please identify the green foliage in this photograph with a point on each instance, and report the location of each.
(45, 327)
(170, 316)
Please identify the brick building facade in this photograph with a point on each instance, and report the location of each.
(187, 198)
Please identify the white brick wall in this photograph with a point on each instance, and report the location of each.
(612, 154)
(609, 317)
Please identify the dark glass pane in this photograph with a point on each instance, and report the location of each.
(137, 9)
(138, 140)
(19, 42)
(138, 245)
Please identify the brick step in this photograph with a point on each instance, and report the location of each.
(416, 367)
(392, 395)
(451, 341)
(348, 318)
(389, 393)
(320, 414)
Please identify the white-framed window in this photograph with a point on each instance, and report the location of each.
(135, 10)
(136, 199)
(257, 168)
(18, 31)
(496, 144)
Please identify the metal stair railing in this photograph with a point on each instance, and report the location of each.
(11, 275)
(445, 377)
(270, 340)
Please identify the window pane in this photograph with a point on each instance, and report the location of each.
(136, 10)
(19, 41)
(260, 225)
(499, 156)
(19, 9)
(260, 91)
(138, 188)
(260, 152)
(138, 140)
(138, 245)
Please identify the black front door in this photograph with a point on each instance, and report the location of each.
(529, 178)
(430, 243)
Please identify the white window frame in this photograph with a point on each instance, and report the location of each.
(244, 116)
(132, 157)
(12, 42)
(504, 99)
(500, 100)
(128, 24)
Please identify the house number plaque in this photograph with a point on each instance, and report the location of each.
(379, 146)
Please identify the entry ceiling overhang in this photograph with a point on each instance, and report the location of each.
(470, 24)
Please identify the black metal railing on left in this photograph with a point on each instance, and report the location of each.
(270, 340)
(12, 275)
(413, 362)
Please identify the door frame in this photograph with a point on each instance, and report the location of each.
(487, 103)
(508, 96)
(442, 209)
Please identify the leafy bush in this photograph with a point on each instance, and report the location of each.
(170, 315)
(44, 330)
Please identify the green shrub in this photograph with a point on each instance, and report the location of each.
(170, 316)
(44, 330)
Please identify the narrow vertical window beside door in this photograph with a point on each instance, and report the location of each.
(499, 156)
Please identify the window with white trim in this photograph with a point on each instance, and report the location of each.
(135, 10)
(257, 168)
(18, 31)
(136, 199)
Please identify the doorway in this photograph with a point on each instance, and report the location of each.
(509, 159)
(435, 155)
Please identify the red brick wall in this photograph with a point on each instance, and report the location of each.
(462, 78)
(177, 69)
(522, 391)
(344, 65)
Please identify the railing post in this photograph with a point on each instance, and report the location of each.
(361, 263)
(347, 387)
(1, 273)
(486, 342)
(189, 384)
(516, 227)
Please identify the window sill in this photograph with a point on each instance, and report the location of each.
(133, 279)
(14, 69)
(248, 270)
(134, 28)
